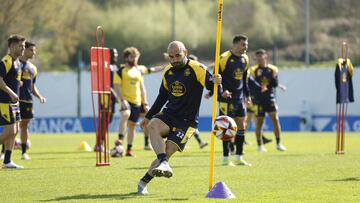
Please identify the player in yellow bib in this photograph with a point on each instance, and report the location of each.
(131, 93)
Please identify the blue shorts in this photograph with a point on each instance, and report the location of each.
(232, 109)
(26, 110)
(181, 130)
(266, 108)
(10, 113)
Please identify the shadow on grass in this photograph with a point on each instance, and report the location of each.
(92, 197)
(349, 179)
(176, 199)
(56, 153)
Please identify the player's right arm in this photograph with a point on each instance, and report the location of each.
(161, 99)
(14, 97)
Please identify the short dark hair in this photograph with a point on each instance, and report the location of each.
(15, 38)
(29, 44)
(260, 52)
(238, 38)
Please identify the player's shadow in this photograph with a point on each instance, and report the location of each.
(93, 197)
(349, 179)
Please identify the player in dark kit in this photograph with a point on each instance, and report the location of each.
(181, 89)
(235, 97)
(265, 78)
(28, 88)
(10, 76)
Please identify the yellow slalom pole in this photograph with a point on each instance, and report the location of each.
(214, 109)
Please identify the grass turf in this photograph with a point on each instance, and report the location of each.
(308, 172)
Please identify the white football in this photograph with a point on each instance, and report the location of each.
(117, 151)
(17, 143)
(224, 127)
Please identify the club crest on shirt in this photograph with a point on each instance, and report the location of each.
(178, 89)
(264, 81)
(343, 77)
(187, 72)
(237, 74)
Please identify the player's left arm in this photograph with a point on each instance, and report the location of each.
(36, 93)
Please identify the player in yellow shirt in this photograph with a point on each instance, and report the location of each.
(131, 93)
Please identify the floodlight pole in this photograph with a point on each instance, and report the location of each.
(307, 32)
(173, 19)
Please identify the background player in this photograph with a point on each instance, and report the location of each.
(265, 77)
(235, 97)
(129, 87)
(28, 88)
(10, 76)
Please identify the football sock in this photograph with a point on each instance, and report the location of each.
(147, 178)
(239, 141)
(226, 144)
(231, 146)
(277, 140)
(198, 138)
(121, 136)
(146, 138)
(161, 157)
(258, 140)
(23, 148)
(7, 156)
(129, 146)
(3, 148)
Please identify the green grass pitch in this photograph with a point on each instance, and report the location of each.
(308, 172)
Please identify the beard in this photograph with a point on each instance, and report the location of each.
(178, 65)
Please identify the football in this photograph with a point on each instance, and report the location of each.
(224, 127)
(117, 151)
(17, 144)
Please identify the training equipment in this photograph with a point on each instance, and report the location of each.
(118, 142)
(84, 146)
(101, 86)
(224, 128)
(221, 191)
(344, 95)
(215, 92)
(117, 151)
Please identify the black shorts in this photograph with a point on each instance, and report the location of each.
(266, 108)
(180, 130)
(10, 113)
(142, 110)
(232, 109)
(134, 112)
(26, 110)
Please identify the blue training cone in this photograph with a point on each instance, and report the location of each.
(220, 190)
